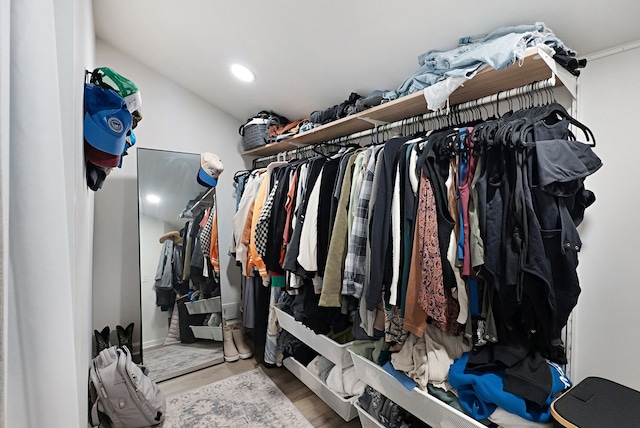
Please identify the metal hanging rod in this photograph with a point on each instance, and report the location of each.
(490, 99)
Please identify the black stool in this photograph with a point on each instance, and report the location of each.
(597, 403)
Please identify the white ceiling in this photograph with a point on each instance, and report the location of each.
(311, 55)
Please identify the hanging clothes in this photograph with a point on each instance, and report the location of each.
(332, 282)
(380, 274)
(466, 234)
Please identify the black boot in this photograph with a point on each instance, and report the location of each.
(125, 336)
(102, 339)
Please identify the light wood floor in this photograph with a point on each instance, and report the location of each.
(310, 405)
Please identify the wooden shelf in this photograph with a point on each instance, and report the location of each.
(536, 66)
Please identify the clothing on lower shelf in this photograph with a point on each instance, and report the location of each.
(342, 381)
(481, 393)
(385, 411)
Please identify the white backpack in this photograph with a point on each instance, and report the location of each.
(121, 395)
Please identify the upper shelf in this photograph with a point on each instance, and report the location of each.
(536, 66)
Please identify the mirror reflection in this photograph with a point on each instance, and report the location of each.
(180, 276)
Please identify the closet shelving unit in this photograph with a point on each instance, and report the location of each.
(536, 66)
(337, 353)
(206, 306)
(213, 304)
(419, 403)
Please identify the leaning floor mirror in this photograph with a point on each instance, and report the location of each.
(179, 275)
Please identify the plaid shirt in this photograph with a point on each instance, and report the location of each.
(354, 265)
(262, 226)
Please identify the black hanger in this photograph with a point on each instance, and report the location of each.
(242, 172)
(556, 108)
(316, 149)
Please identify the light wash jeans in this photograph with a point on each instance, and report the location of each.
(498, 49)
(272, 354)
(542, 34)
(502, 31)
(463, 61)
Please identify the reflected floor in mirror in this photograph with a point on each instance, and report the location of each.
(167, 362)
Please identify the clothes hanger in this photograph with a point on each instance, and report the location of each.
(558, 109)
(496, 106)
(241, 173)
(317, 150)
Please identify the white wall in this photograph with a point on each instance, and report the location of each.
(5, 84)
(607, 316)
(173, 119)
(58, 37)
(80, 50)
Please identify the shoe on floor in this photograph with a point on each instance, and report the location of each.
(244, 351)
(230, 350)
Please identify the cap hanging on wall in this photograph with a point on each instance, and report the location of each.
(210, 169)
(100, 158)
(106, 120)
(123, 86)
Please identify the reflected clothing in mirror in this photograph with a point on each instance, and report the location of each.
(168, 274)
(201, 275)
(171, 207)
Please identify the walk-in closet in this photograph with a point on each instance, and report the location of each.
(342, 214)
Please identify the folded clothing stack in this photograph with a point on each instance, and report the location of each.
(352, 105)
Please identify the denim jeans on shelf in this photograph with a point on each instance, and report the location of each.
(541, 34)
(498, 49)
(502, 31)
(463, 61)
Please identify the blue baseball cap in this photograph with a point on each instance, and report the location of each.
(205, 179)
(106, 119)
(210, 169)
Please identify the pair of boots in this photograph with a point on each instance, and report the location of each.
(234, 345)
(103, 341)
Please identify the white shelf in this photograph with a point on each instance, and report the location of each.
(417, 402)
(335, 352)
(204, 306)
(207, 332)
(343, 407)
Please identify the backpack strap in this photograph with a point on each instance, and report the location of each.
(97, 391)
(94, 420)
(93, 402)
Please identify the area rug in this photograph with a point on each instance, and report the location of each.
(247, 400)
(170, 361)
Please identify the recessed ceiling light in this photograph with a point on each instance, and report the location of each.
(153, 199)
(242, 73)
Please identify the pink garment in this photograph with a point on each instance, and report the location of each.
(465, 194)
(288, 207)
